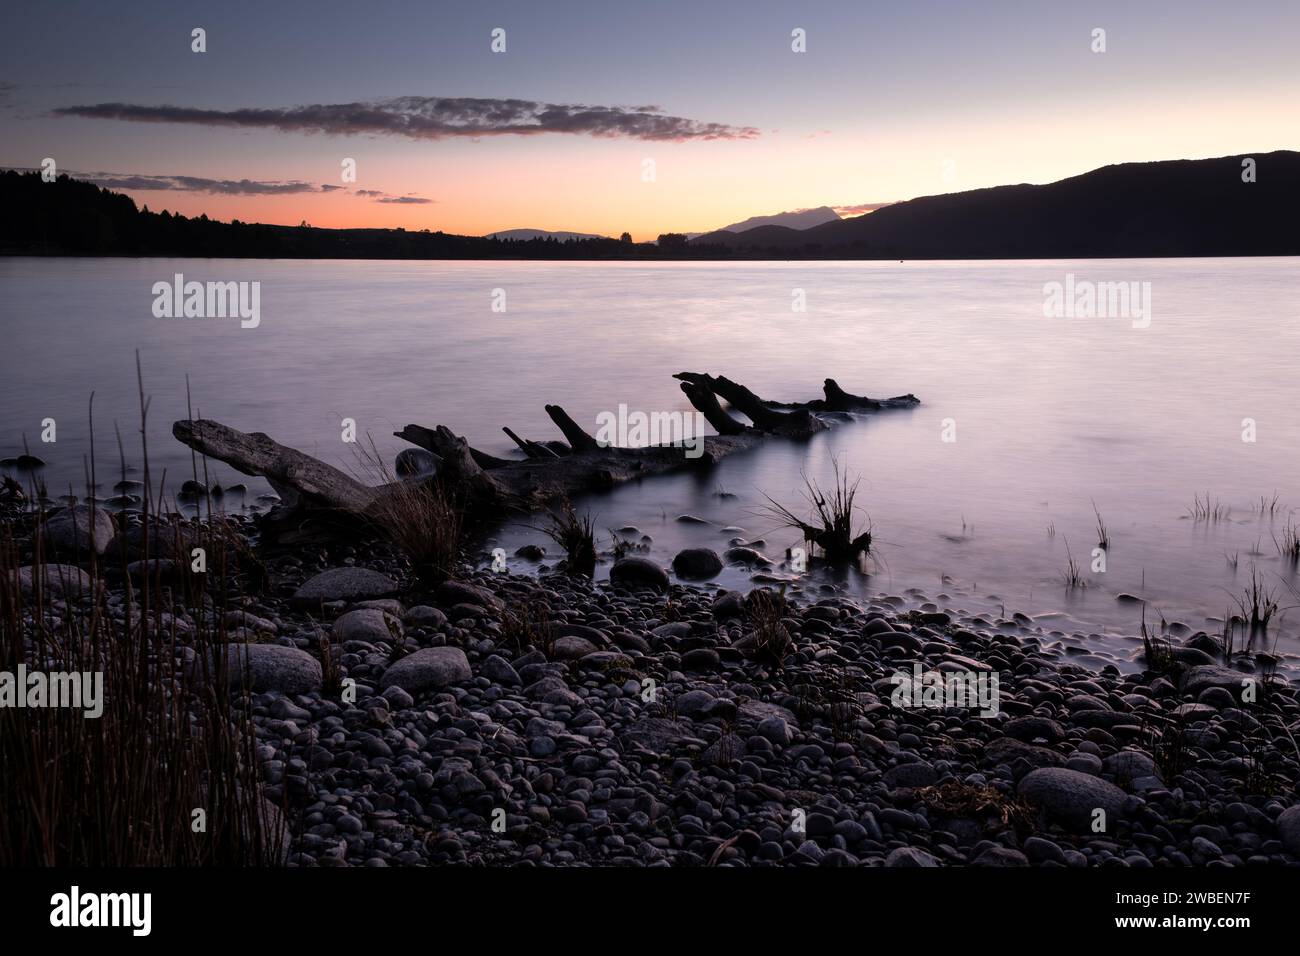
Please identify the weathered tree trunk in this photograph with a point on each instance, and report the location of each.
(706, 403)
(297, 478)
(796, 424)
(577, 438)
(490, 486)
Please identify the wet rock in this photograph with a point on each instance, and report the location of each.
(1197, 679)
(415, 463)
(697, 564)
(639, 572)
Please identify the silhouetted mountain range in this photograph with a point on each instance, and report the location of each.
(801, 219)
(1174, 208)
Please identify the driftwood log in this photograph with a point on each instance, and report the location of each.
(488, 486)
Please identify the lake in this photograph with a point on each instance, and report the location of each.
(1027, 421)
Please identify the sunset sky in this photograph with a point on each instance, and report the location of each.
(890, 101)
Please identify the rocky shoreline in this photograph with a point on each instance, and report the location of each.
(499, 719)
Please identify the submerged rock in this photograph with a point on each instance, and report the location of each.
(697, 563)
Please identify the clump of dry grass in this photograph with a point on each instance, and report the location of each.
(768, 640)
(1288, 546)
(420, 516)
(1156, 651)
(835, 531)
(1171, 747)
(122, 789)
(1103, 533)
(1205, 509)
(1073, 574)
(980, 802)
(1257, 604)
(526, 625)
(575, 534)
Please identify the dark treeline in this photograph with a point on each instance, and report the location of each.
(1228, 206)
(72, 217)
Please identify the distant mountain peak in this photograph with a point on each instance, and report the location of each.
(799, 219)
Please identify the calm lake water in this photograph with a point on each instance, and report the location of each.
(1049, 414)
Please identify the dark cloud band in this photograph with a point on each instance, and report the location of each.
(425, 117)
(198, 184)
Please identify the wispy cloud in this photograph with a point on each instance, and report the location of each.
(199, 184)
(860, 208)
(144, 182)
(428, 117)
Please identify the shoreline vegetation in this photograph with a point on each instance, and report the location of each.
(1177, 208)
(371, 694)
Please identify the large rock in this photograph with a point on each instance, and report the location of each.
(746, 555)
(910, 857)
(1011, 752)
(78, 530)
(639, 572)
(1071, 797)
(697, 563)
(271, 667)
(54, 581)
(729, 604)
(451, 593)
(173, 541)
(428, 669)
(1197, 679)
(1288, 827)
(344, 584)
(657, 734)
(369, 625)
(416, 463)
(1127, 766)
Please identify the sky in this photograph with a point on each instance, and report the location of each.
(626, 116)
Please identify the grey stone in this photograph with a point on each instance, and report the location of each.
(697, 564)
(1288, 828)
(1071, 796)
(369, 625)
(79, 530)
(54, 580)
(910, 856)
(271, 667)
(429, 668)
(639, 572)
(344, 584)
